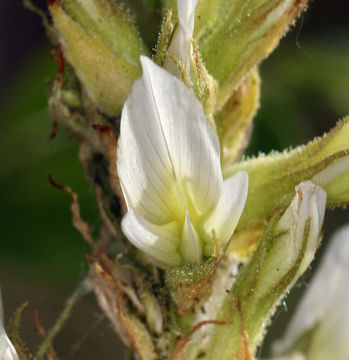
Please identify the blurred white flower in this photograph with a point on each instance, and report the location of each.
(168, 162)
(323, 313)
(7, 351)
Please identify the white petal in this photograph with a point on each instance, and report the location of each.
(190, 247)
(181, 46)
(325, 305)
(186, 15)
(160, 242)
(227, 211)
(167, 149)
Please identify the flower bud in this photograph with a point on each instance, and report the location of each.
(285, 251)
(102, 46)
(182, 57)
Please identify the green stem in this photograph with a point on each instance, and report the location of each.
(56, 328)
(83, 289)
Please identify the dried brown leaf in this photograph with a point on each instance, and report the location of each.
(128, 326)
(187, 294)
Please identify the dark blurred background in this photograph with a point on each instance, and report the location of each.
(42, 258)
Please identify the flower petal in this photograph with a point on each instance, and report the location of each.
(226, 214)
(186, 15)
(160, 242)
(167, 150)
(190, 247)
(325, 305)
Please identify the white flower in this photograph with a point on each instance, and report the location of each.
(324, 309)
(181, 47)
(169, 167)
(7, 351)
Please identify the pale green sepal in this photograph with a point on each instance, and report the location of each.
(272, 178)
(105, 65)
(286, 249)
(107, 21)
(164, 38)
(234, 122)
(234, 36)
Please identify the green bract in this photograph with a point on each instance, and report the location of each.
(233, 36)
(273, 177)
(103, 47)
